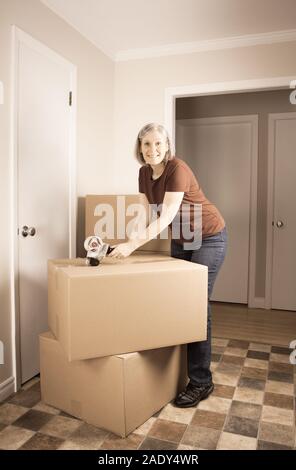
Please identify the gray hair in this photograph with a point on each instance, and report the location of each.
(152, 127)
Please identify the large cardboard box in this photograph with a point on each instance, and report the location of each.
(142, 302)
(53, 265)
(117, 393)
(108, 217)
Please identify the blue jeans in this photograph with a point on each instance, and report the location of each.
(211, 253)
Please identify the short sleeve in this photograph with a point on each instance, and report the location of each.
(177, 180)
(141, 181)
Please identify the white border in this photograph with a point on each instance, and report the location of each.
(272, 118)
(18, 37)
(217, 88)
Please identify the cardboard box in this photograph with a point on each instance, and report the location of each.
(136, 257)
(142, 302)
(113, 209)
(117, 393)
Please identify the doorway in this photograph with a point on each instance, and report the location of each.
(257, 294)
(223, 152)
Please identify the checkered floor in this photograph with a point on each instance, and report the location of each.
(252, 407)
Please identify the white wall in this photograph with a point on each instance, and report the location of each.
(140, 89)
(95, 80)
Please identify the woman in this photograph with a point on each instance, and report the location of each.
(167, 180)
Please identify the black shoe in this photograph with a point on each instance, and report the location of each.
(193, 395)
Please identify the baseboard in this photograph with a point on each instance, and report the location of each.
(7, 388)
(257, 302)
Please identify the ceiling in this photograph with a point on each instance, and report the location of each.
(119, 27)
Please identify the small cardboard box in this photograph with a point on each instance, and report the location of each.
(108, 216)
(117, 393)
(142, 302)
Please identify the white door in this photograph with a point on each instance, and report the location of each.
(44, 192)
(282, 223)
(222, 153)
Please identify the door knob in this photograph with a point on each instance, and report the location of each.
(28, 231)
(278, 223)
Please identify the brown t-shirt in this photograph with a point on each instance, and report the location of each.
(178, 177)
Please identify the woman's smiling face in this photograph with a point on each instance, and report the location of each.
(154, 147)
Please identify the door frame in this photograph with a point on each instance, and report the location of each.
(218, 88)
(253, 120)
(18, 37)
(272, 118)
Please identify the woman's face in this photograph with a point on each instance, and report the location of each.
(154, 147)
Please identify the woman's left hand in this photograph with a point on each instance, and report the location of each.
(123, 250)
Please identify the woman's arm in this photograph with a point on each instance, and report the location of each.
(170, 207)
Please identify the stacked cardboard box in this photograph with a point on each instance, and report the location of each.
(114, 355)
